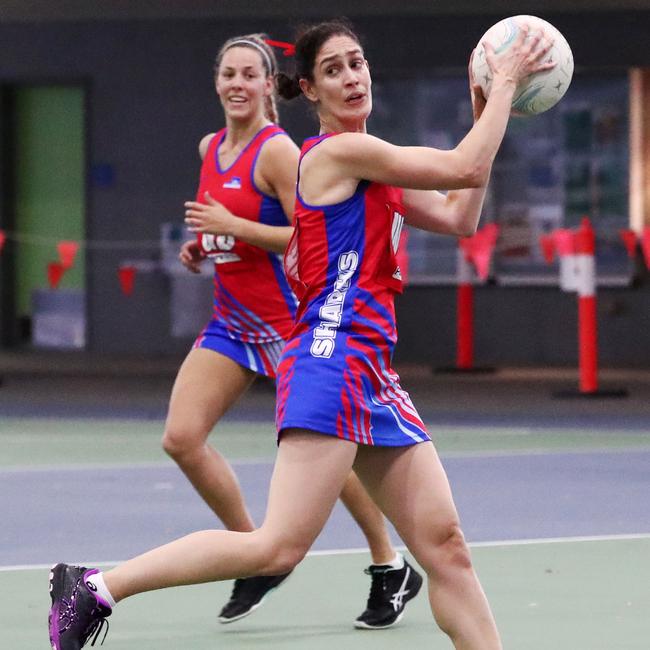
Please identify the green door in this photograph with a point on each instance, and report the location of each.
(49, 191)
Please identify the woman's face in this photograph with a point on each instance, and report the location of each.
(341, 85)
(242, 83)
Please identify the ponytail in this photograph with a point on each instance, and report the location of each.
(271, 109)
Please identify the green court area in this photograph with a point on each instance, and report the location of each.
(54, 441)
(589, 595)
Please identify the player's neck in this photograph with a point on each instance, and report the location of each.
(329, 124)
(238, 134)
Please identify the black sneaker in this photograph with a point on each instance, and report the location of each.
(76, 613)
(390, 590)
(247, 595)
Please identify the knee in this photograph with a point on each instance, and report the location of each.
(180, 442)
(447, 552)
(282, 556)
(455, 549)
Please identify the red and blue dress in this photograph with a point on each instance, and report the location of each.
(335, 375)
(254, 307)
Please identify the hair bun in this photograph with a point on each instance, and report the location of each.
(288, 87)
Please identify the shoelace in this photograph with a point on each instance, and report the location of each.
(377, 588)
(95, 628)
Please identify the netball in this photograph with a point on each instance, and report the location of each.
(540, 91)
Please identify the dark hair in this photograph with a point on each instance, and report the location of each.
(309, 41)
(256, 42)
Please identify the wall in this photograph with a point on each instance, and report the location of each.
(151, 99)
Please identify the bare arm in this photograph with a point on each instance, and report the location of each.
(276, 175)
(350, 157)
(363, 156)
(458, 212)
(190, 254)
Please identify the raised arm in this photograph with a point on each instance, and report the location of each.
(457, 212)
(349, 157)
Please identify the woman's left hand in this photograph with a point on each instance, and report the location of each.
(210, 217)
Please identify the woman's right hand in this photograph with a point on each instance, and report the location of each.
(475, 91)
(190, 256)
(523, 58)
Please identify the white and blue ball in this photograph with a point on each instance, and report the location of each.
(540, 91)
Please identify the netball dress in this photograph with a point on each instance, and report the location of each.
(254, 307)
(335, 374)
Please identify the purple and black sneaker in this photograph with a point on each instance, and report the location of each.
(77, 613)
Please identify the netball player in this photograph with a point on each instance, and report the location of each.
(246, 189)
(340, 404)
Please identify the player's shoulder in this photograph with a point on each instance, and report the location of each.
(278, 148)
(347, 143)
(279, 142)
(204, 143)
(349, 146)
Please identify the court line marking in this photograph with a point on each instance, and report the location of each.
(451, 455)
(356, 551)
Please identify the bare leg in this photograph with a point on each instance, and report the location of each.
(410, 486)
(207, 385)
(309, 474)
(369, 518)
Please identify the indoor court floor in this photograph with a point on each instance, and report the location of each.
(553, 497)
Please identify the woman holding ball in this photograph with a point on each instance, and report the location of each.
(340, 404)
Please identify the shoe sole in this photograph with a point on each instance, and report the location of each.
(232, 619)
(225, 621)
(360, 625)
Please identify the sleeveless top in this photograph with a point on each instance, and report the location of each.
(252, 298)
(342, 259)
(335, 375)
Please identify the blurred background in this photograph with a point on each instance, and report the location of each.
(102, 105)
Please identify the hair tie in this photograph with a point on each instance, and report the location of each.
(288, 49)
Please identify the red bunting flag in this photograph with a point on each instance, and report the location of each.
(67, 253)
(479, 247)
(563, 239)
(3, 239)
(491, 234)
(55, 271)
(629, 239)
(645, 245)
(547, 244)
(126, 275)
